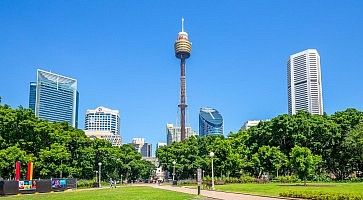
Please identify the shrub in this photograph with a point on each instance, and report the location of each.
(287, 179)
(85, 183)
(321, 178)
(247, 179)
(321, 195)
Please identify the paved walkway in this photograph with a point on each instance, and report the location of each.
(213, 194)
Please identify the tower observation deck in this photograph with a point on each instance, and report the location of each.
(182, 48)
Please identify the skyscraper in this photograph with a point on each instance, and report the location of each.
(54, 97)
(210, 122)
(146, 150)
(102, 119)
(103, 123)
(142, 147)
(173, 133)
(182, 48)
(304, 82)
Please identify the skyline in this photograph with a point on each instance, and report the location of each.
(122, 56)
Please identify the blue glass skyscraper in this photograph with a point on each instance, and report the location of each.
(54, 97)
(210, 122)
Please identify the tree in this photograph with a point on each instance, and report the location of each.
(353, 144)
(303, 162)
(8, 158)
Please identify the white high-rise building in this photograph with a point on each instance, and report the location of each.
(304, 82)
(173, 133)
(103, 123)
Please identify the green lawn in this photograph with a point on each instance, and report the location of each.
(273, 189)
(120, 193)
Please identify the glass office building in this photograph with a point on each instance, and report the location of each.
(210, 122)
(54, 97)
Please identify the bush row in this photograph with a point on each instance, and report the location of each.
(82, 183)
(321, 195)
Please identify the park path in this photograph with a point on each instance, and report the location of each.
(213, 194)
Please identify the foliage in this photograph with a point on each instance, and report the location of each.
(303, 162)
(59, 150)
(335, 143)
(321, 195)
(287, 179)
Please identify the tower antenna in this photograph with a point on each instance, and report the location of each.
(182, 24)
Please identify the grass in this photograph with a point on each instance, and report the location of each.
(120, 193)
(273, 189)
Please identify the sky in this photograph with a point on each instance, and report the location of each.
(121, 53)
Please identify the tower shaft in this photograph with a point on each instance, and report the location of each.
(182, 104)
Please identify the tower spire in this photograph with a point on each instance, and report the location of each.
(182, 24)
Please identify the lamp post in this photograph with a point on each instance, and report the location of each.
(96, 176)
(203, 173)
(211, 154)
(99, 174)
(121, 179)
(174, 170)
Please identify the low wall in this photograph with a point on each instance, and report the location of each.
(9, 187)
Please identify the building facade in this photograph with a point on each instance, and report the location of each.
(146, 150)
(160, 144)
(114, 139)
(54, 97)
(142, 147)
(102, 119)
(103, 123)
(173, 133)
(210, 122)
(304, 85)
(250, 123)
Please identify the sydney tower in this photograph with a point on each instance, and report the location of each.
(182, 51)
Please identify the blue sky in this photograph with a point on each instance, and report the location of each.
(121, 53)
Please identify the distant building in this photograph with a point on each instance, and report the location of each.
(304, 82)
(173, 133)
(114, 139)
(102, 119)
(103, 123)
(210, 122)
(142, 147)
(146, 150)
(250, 123)
(160, 144)
(159, 173)
(54, 97)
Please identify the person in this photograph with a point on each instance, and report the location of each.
(111, 182)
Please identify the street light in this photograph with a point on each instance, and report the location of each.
(174, 170)
(211, 154)
(96, 176)
(203, 173)
(99, 174)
